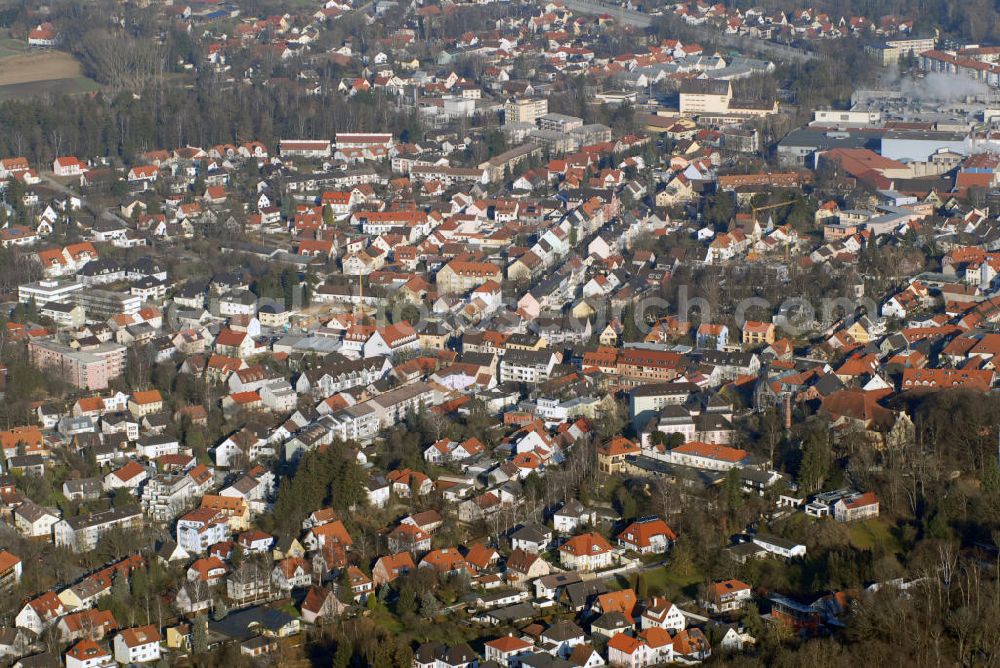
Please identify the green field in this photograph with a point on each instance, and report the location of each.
(871, 533)
(664, 580)
(673, 583)
(11, 47)
(66, 86)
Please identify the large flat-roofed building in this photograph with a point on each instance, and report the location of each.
(103, 304)
(553, 140)
(89, 369)
(699, 96)
(890, 51)
(364, 140)
(525, 109)
(592, 133)
(82, 532)
(305, 148)
(498, 165)
(800, 147)
(838, 117)
(559, 122)
(48, 291)
(713, 102)
(921, 145)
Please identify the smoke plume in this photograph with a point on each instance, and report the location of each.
(941, 86)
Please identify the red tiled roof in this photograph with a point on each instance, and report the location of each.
(712, 451)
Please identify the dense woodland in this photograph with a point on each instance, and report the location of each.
(124, 126)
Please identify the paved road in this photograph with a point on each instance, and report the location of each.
(55, 185)
(740, 42)
(105, 214)
(628, 16)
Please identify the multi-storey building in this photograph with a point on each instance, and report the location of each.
(525, 109)
(527, 366)
(138, 645)
(559, 122)
(201, 528)
(639, 366)
(164, 496)
(103, 304)
(90, 369)
(460, 276)
(47, 291)
(82, 532)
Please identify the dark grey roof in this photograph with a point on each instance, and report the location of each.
(146, 265)
(377, 482)
(563, 630)
(236, 625)
(572, 508)
(85, 486)
(580, 593)
(559, 579)
(513, 613)
(59, 308)
(193, 289)
(778, 541)
(828, 384)
(244, 297)
(479, 359)
(429, 651)
(528, 357)
(611, 621)
(33, 512)
(147, 441)
(103, 517)
(534, 533)
(667, 389)
(712, 421)
(543, 660)
(166, 549)
(43, 660)
(821, 140)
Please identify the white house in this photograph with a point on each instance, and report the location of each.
(34, 521)
(787, 549)
(506, 649)
(726, 596)
(586, 552)
(647, 536)
(89, 654)
(200, 529)
(40, 613)
(562, 637)
(68, 166)
(138, 645)
(572, 516)
(663, 614)
(532, 538)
